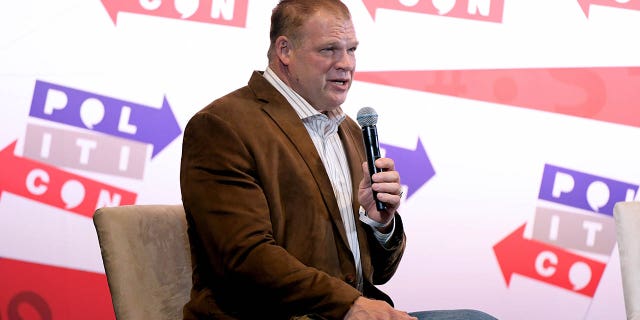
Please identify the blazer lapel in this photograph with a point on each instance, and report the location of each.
(354, 149)
(355, 153)
(279, 109)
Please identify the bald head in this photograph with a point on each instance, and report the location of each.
(289, 16)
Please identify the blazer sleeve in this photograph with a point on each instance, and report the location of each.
(230, 221)
(382, 262)
(385, 260)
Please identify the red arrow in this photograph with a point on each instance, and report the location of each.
(516, 254)
(35, 291)
(167, 9)
(604, 93)
(460, 9)
(586, 4)
(50, 185)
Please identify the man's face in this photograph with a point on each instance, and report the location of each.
(322, 63)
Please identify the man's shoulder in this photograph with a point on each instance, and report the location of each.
(248, 98)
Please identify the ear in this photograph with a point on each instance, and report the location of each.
(283, 49)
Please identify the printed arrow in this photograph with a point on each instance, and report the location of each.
(516, 254)
(453, 9)
(49, 185)
(154, 126)
(48, 292)
(586, 4)
(603, 93)
(414, 165)
(237, 16)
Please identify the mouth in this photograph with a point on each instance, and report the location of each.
(339, 82)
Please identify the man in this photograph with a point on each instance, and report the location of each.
(275, 185)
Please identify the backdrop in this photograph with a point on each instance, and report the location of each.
(514, 125)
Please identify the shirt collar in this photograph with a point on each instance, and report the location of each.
(299, 104)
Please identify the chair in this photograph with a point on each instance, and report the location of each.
(145, 251)
(627, 218)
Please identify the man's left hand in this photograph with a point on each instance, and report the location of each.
(387, 185)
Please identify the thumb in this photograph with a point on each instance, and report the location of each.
(365, 172)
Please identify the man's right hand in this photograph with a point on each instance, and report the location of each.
(367, 309)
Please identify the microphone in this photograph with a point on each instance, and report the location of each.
(367, 119)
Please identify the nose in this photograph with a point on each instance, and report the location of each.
(346, 60)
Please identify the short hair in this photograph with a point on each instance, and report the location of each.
(288, 17)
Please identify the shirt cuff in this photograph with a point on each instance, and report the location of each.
(383, 238)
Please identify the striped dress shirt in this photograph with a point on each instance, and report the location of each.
(323, 130)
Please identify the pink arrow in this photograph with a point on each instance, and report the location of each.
(518, 255)
(459, 9)
(586, 4)
(167, 9)
(608, 94)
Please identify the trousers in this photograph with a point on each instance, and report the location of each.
(457, 314)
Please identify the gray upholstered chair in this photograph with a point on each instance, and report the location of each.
(627, 217)
(145, 251)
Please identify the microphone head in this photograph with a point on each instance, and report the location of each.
(367, 116)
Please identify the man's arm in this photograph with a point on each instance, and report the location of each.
(385, 258)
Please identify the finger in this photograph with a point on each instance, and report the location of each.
(408, 316)
(391, 199)
(405, 315)
(385, 163)
(387, 176)
(393, 188)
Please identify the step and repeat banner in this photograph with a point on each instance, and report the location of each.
(514, 125)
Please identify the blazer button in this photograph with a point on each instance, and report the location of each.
(350, 278)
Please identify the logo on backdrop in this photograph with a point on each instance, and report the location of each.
(585, 5)
(574, 215)
(602, 93)
(43, 292)
(87, 132)
(482, 10)
(222, 12)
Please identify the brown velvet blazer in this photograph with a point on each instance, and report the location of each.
(266, 235)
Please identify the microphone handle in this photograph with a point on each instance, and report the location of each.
(372, 149)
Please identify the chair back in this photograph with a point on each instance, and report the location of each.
(145, 251)
(627, 218)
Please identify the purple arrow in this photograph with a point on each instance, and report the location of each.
(414, 165)
(104, 114)
(572, 188)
